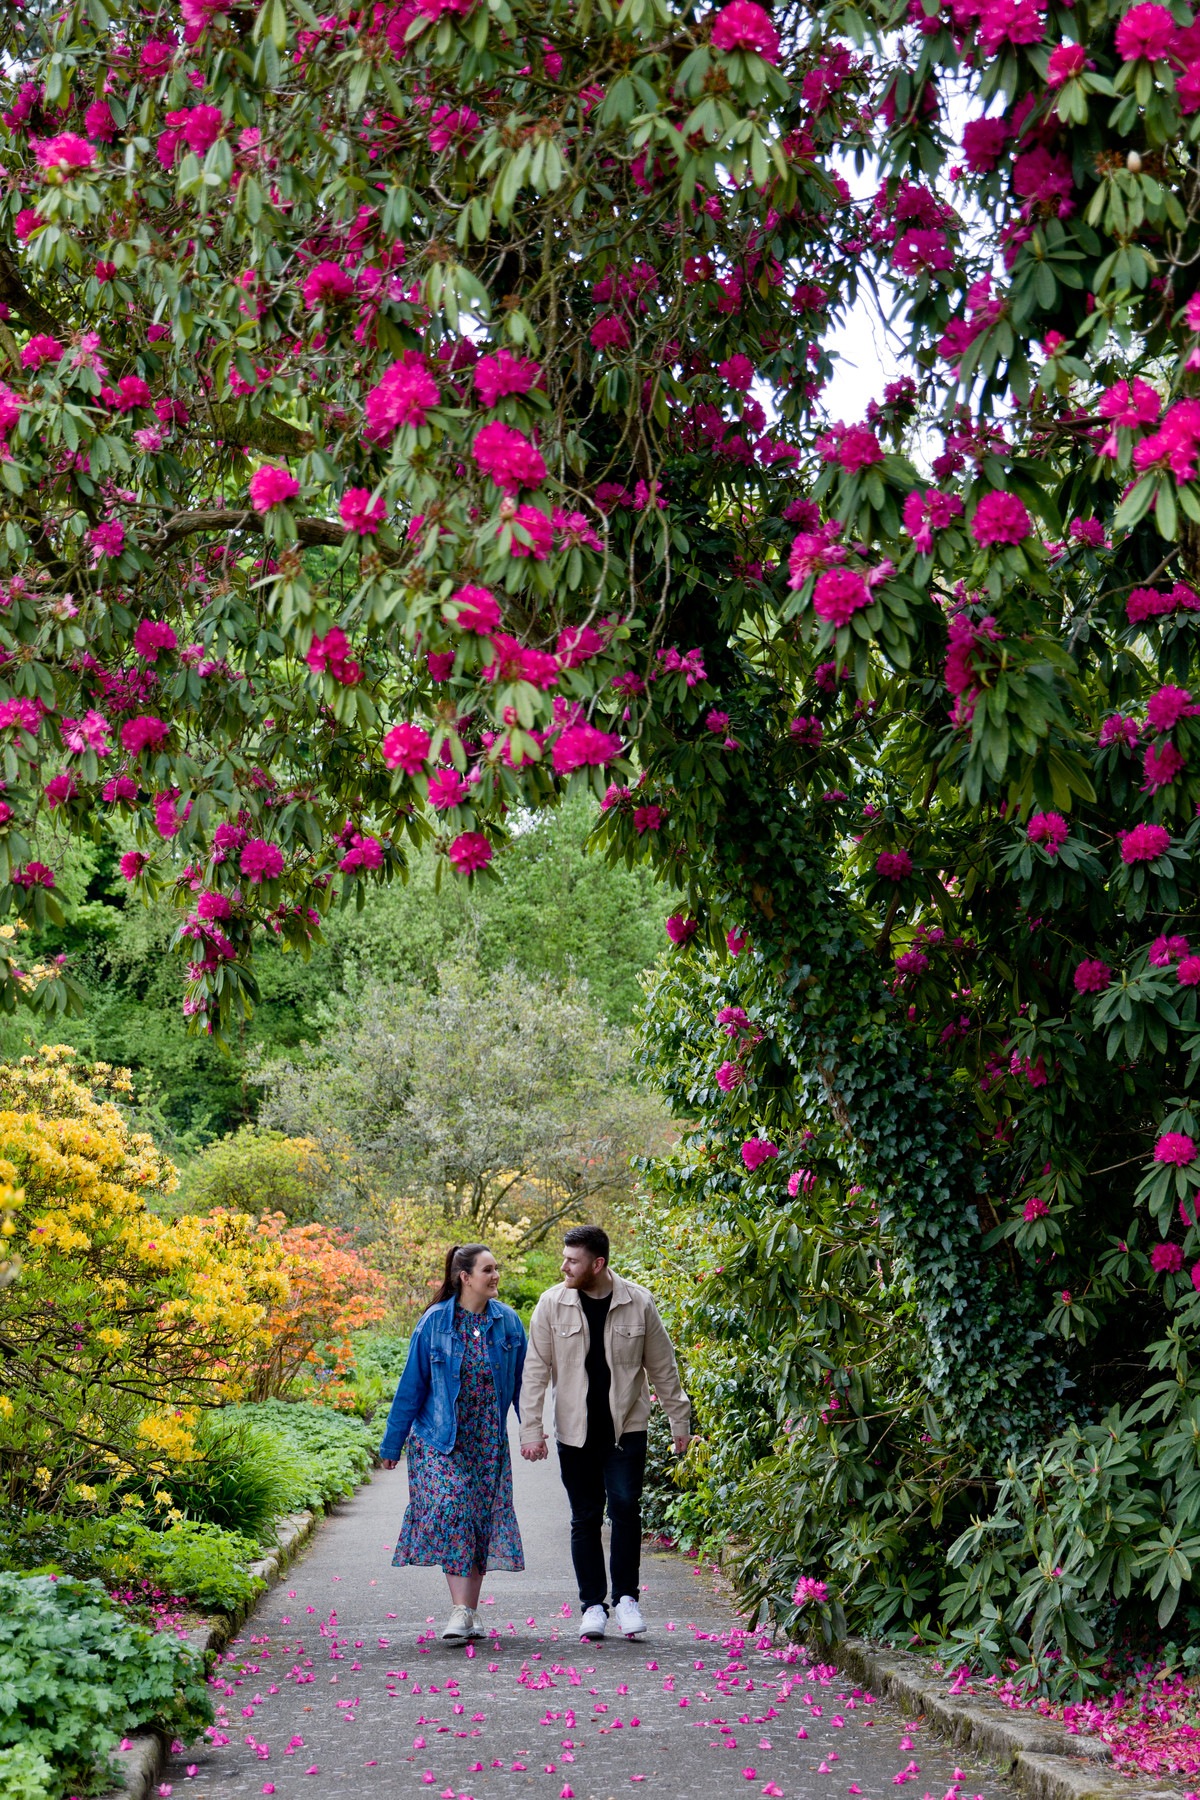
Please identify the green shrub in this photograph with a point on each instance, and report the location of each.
(191, 1560)
(25, 1774)
(330, 1452)
(245, 1476)
(75, 1674)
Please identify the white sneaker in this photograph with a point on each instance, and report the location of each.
(478, 1628)
(458, 1626)
(592, 1624)
(630, 1622)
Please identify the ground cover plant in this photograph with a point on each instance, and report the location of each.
(77, 1675)
(420, 415)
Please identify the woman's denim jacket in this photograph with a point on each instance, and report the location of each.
(426, 1401)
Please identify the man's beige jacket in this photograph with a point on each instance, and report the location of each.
(636, 1347)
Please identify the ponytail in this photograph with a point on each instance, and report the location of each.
(460, 1260)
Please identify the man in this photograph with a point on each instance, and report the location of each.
(598, 1337)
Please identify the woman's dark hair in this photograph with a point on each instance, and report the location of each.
(460, 1260)
(588, 1237)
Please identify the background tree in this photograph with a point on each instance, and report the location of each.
(495, 1098)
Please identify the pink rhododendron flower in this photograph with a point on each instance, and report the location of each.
(1011, 22)
(261, 861)
(1160, 767)
(852, 447)
(1188, 972)
(1147, 30)
(510, 459)
(453, 125)
(584, 746)
(108, 537)
(1092, 977)
(34, 874)
(807, 1589)
(229, 837)
(1144, 843)
(271, 487)
(1130, 403)
(577, 645)
(470, 850)
(39, 351)
(132, 864)
(744, 26)
(1066, 62)
(911, 962)
(535, 526)
(1034, 1209)
(730, 1075)
(364, 853)
(756, 1151)
(503, 373)
(838, 595)
(210, 905)
(478, 610)
(58, 789)
(681, 929)
(648, 818)
(440, 664)
(327, 284)
(1050, 830)
(1000, 519)
(403, 397)
(735, 942)
(1175, 1147)
(1165, 950)
(151, 636)
(143, 733)
(65, 153)
(406, 747)
(359, 513)
(332, 653)
(894, 865)
(737, 372)
(983, 142)
(446, 789)
(513, 661)
(1170, 704)
(1166, 1259)
(1120, 730)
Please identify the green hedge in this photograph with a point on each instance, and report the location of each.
(75, 1675)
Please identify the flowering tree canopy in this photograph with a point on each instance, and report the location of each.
(417, 412)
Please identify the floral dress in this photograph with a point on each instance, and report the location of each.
(460, 1504)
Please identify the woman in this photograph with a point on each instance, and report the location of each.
(462, 1374)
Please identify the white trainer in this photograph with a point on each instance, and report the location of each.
(630, 1622)
(458, 1626)
(592, 1624)
(478, 1628)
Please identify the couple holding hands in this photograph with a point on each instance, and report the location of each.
(598, 1338)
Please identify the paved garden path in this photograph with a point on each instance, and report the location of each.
(339, 1686)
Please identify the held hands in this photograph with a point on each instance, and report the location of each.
(389, 1462)
(535, 1452)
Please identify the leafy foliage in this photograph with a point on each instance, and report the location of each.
(328, 1452)
(77, 1675)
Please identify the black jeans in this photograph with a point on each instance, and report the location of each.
(590, 1475)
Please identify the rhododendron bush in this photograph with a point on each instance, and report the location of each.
(419, 412)
(120, 1325)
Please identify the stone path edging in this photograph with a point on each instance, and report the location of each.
(146, 1757)
(1045, 1761)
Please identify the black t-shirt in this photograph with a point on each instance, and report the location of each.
(599, 1414)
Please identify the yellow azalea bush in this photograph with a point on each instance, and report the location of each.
(120, 1325)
